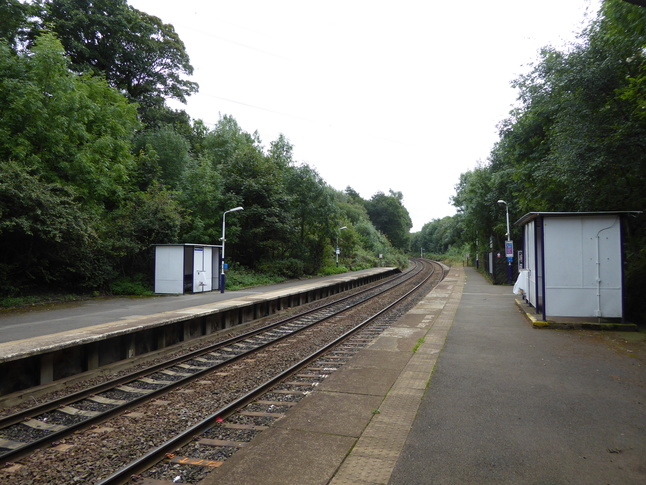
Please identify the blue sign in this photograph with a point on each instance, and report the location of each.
(509, 250)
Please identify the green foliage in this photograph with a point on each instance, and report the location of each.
(137, 285)
(75, 129)
(388, 214)
(419, 343)
(286, 268)
(86, 189)
(311, 201)
(146, 218)
(170, 150)
(440, 235)
(238, 277)
(45, 236)
(200, 194)
(18, 301)
(331, 270)
(14, 22)
(136, 52)
(576, 142)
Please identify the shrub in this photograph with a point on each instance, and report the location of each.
(286, 268)
(128, 286)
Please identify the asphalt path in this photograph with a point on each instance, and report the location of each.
(510, 404)
(61, 317)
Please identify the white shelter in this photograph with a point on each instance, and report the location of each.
(186, 268)
(573, 263)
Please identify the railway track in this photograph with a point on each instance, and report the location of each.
(298, 341)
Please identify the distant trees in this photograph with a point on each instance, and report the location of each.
(94, 168)
(388, 214)
(576, 141)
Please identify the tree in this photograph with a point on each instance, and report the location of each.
(254, 181)
(136, 52)
(149, 217)
(313, 214)
(170, 149)
(75, 129)
(14, 22)
(45, 235)
(475, 200)
(389, 215)
(439, 235)
(200, 194)
(576, 140)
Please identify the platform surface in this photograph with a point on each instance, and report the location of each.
(45, 321)
(485, 399)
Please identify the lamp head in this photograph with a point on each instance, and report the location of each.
(501, 202)
(342, 228)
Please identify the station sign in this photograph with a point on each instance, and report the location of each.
(509, 250)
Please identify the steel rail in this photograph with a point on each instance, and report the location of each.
(27, 448)
(104, 386)
(145, 462)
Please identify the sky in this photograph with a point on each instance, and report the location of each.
(375, 95)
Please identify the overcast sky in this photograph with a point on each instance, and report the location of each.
(375, 95)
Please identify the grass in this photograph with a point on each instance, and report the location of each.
(10, 302)
(420, 341)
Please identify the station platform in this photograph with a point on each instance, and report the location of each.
(42, 348)
(42, 321)
(486, 398)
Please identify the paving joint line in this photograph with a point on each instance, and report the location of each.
(377, 450)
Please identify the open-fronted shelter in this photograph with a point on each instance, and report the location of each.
(186, 268)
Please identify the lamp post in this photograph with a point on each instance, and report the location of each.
(337, 244)
(509, 244)
(224, 216)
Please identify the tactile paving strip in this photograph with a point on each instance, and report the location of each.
(373, 458)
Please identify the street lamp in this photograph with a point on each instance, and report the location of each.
(337, 244)
(509, 244)
(224, 216)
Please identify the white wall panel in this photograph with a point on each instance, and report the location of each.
(169, 269)
(583, 266)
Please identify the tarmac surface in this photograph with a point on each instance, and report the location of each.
(45, 320)
(486, 398)
(460, 390)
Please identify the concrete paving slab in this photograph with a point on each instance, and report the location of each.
(398, 339)
(373, 458)
(284, 456)
(380, 359)
(371, 403)
(371, 381)
(334, 413)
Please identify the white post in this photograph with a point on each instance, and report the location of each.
(337, 250)
(222, 280)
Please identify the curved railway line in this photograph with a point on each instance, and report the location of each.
(226, 393)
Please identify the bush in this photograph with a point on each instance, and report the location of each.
(131, 286)
(286, 268)
(238, 277)
(17, 301)
(332, 270)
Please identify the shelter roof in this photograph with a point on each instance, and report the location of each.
(530, 216)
